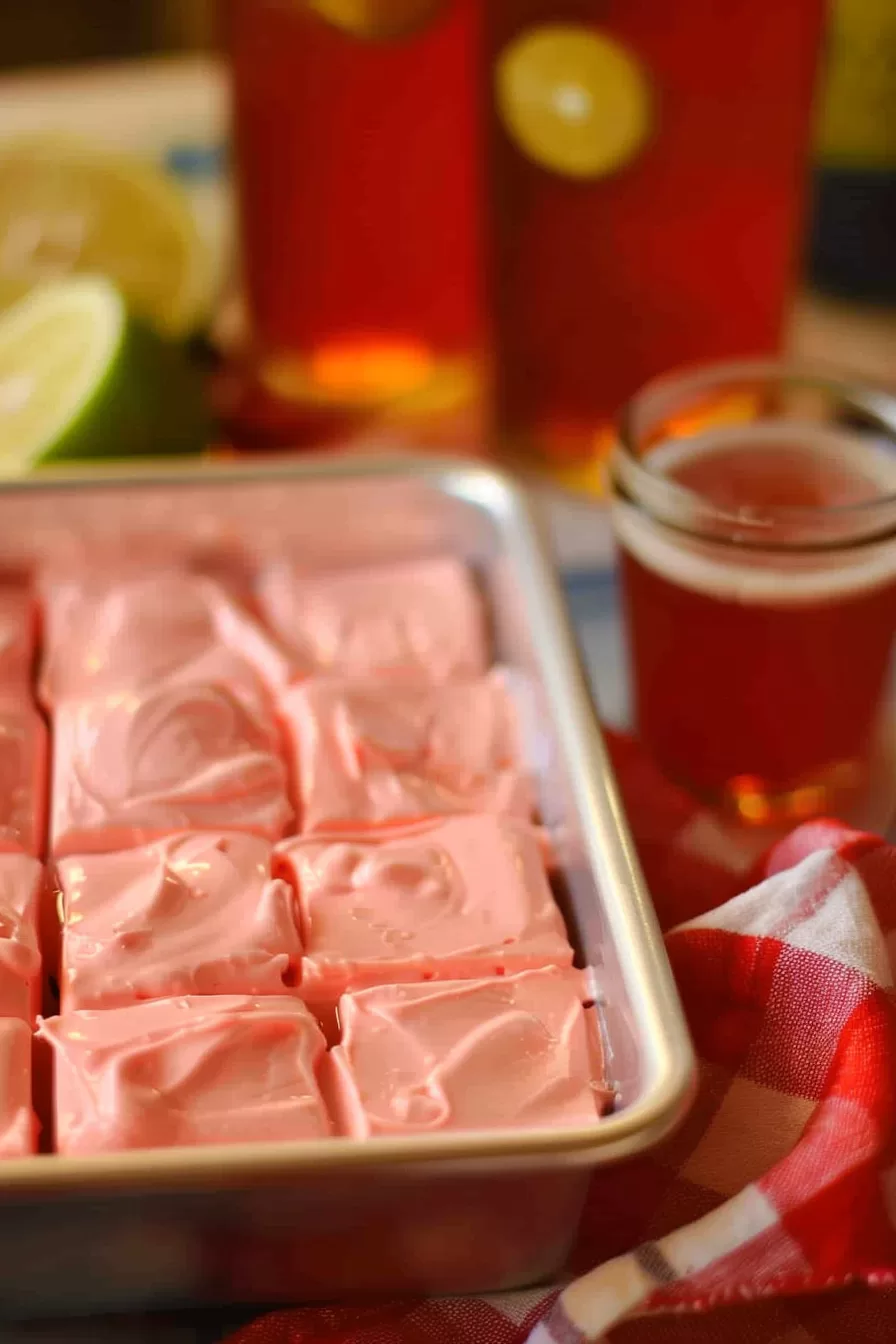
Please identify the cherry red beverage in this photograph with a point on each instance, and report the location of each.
(354, 134)
(760, 657)
(647, 176)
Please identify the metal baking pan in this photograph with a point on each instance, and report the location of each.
(329, 1219)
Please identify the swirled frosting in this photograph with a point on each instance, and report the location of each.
(194, 914)
(134, 766)
(105, 634)
(23, 775)
(466, 898)
(467, 1054)
(218, 1069)
(415, 619)
(374, 755)
(21, 880)
(18, 1125)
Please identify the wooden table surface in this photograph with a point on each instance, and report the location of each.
(861, 340)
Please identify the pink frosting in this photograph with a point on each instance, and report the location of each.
(374, 755)
(227, 1069)
(105, 634)
(467, 1054)
(18, 1125)
(194, 914)
(23, 738)
(134, 766)
(24, 755)
(463, 899)
(18, 637)
(21, 880)
(412, 619)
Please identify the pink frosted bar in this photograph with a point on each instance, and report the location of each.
(18, 1124)
(105, 634)
(195, 914)
(21, 883)
(18, 638)
(464, 899)
(228, 1069)
(132, 767)
(23, 736)
(467, 1054)
(421, 618)
(24, 752)
(372, 755)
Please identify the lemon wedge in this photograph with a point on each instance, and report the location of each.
(66, 207)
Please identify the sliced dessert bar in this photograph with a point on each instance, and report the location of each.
(18, 1124)
(105, 634)
(467, 1054)
(420, 618)
(24, 765)
(373, 755)
(227, 1069)
(464, 898)
(21, 882)
(18, 637)
(133, 766)
(194, 914)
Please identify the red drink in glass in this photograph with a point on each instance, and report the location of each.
(758, 565)
(648, 178)
(354, 133)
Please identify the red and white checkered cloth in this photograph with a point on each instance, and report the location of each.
(780, 1187)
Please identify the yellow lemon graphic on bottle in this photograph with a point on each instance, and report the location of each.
(377, 20)
(573, 99)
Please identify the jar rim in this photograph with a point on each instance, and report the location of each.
(796, 527)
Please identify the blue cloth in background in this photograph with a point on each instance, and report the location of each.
(593, 596)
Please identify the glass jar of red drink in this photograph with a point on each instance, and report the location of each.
(647, 165)
(354, 130)
(754, 506)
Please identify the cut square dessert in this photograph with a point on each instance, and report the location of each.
(467, 1054)
(105, 634)
(193, 914)
(419, 618)
(18, 1123)
(368, 755)
(132, 767)
(24, 765)
(21, 881)
(18, 637)
(228, 1069)
(464, 898)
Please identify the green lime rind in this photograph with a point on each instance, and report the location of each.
(149, 401)
(81, 378)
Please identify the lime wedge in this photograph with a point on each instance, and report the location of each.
(573, 99)
(81, 378)
(67, 207)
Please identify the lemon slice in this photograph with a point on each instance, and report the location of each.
(67, 207)
(376, 20)
(81, 378)
(573, 100)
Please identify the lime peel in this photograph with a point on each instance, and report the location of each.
(80, 377)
